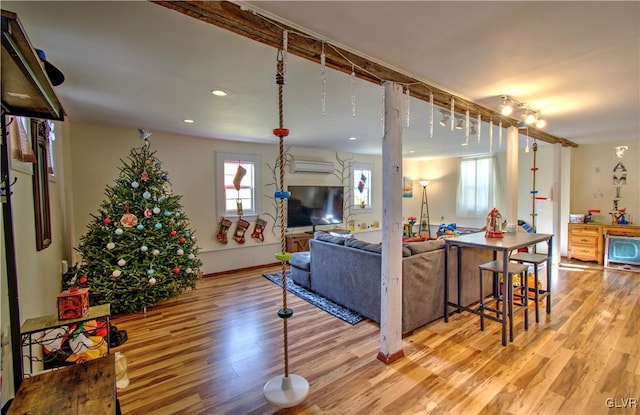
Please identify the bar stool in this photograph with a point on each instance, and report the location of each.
(513, 269)
(536, 260)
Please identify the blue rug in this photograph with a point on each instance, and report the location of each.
(317, 300)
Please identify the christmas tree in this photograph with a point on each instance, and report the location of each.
(138, 249)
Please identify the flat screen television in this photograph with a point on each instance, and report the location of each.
(314, 205)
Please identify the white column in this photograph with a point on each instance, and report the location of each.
(511, 186)
(391, 272)
(557, 201)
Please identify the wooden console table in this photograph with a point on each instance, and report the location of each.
(85, 388)
(298, 242)
(586, 240)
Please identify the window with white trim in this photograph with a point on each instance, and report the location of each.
(476, 187)
(237, 184)
(361, 175)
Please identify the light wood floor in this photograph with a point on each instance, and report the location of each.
(211, 351)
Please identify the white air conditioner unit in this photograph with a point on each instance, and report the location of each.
(303, 166)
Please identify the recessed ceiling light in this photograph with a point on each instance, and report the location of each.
(188, 121)
(219, 92)
(412, 151)
(353, 138)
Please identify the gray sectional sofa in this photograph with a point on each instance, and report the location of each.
(348, 271)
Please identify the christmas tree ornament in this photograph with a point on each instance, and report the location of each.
(152, 281)
(116, 273)
(144, 176)
(144, 248)
(128, 220)
(164, 177)
(147, 162)
(225, 224)
(119, 231)
(166, 213)
(182, 240)
(122, 262)
(107, 221)
(134, 184)
(173, 232)
(151, 271)
(156, 210)
(147, 213)
(258, 230)
(81, 244)
(188, 270)
(139, 226)
(158, 225)
(155, 252)
(191, 256)
(83, 279)
(187, 234)
(194, 238)
(241, 228)
(110, 246)
(179, 252)
(146, 195)
(158, 165)
(176, 270)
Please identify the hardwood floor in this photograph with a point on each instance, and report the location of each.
(211, 351)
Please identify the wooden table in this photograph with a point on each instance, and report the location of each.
(85, 388)
(509, 242)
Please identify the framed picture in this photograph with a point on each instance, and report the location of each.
(407, 187)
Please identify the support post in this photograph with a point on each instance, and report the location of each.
(556, 203)
(391, 272)
(511, 191)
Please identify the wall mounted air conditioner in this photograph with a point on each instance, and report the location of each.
(304, 166)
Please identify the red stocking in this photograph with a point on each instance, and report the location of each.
(258, 230)
(222, 232)
(241, 228)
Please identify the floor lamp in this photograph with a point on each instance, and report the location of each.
(425, 205)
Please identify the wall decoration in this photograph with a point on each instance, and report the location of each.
(619, 179)
(407, 187)
(225, 224)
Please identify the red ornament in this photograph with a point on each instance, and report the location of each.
(107, 221)
(83, 279)
(181, 240)
(173, 232)
(144, 176)
(176, 270)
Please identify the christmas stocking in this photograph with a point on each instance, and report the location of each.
(222, 232)
(258, 230)
(241, 228)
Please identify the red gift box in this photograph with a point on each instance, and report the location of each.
(73, 303)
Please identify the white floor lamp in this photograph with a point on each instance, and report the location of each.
(425, 204)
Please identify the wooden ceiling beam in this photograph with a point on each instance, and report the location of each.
(242, 21)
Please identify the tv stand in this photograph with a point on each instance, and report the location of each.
(298, 242)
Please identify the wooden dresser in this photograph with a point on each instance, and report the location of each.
(586, 240)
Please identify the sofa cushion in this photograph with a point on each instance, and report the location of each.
(422, 247)
(365, 246)
(325, 237)
(301, 260)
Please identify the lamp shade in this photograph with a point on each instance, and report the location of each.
(424, 183)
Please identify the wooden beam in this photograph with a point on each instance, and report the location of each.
(262, 29)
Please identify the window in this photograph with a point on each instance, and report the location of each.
(361, 175)
(476, 187)
(237, 184)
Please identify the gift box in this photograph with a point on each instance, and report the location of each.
(73, 303)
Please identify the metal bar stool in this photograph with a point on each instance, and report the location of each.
(536, 260)
(496, 267)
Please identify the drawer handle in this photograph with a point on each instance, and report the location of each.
(584, 240)
(583, 251)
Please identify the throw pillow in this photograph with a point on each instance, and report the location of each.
(422, 247)
(325, 237)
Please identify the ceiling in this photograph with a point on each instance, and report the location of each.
(138, 64)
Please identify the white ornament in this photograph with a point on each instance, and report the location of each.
(143, 248)
(122, 262)
(134, 185)
(155, 252)
(193, 238)
(146, 195)
(179, 252)
(191, 256)
(152, 281)
(116, 273)
(119, 231)
(188, 270)
(156, 210)
(111, 245)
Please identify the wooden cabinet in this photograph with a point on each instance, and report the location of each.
(586, 240)
(298, 242)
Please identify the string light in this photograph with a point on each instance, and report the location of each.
(431, 115)
(353, 91)
(323, 63)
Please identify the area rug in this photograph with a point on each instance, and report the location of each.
(317, 300)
